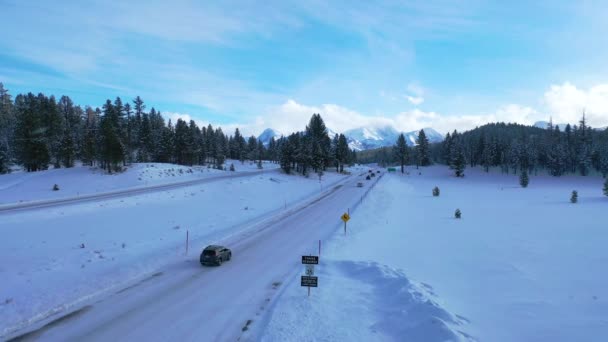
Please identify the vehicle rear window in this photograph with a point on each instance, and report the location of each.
(209, 253)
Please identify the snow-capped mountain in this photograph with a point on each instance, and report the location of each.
(545, 124)
(366, 138)
(268, 134)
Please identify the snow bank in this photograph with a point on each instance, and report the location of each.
(359, 301)
(83, 180)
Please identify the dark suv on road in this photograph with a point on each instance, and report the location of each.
(215, 255)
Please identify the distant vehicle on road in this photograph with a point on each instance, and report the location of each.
(215, 255)
(359, 185)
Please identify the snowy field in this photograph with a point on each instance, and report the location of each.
(521, 264)
(55, 258)
(83, 180)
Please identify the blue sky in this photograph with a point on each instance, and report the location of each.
(446, 64)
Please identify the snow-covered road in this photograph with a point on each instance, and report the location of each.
(187, 302)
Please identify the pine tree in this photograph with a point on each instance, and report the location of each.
(252, 146)
(436, 191)
(458, 159)
(422, 149)
(342, 152)
(30, 140)
(458, 214)
(401, 151)
(574, 196)
(317, 143)
(524, 180)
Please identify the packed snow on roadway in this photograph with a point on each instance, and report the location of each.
(54, 259)
(18, 186)
(522, 264)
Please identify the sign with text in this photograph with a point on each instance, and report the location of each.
(310, 260)
(309, 281)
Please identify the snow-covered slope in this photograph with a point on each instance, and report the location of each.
(21, 187)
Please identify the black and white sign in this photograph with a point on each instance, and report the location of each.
(310, 259)
(309, 281)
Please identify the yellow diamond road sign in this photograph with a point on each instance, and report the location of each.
(345, 217)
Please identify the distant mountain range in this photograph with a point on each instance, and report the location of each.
(366, 138)
(562, 127)
(545, 124)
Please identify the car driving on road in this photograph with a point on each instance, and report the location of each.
(215, 255)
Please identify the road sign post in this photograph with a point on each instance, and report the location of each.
(345, 217)
(309, 279)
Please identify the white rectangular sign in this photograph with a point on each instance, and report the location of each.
(310, 270)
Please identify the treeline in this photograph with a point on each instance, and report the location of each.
(578, 149)
(313, 150)
(37, 131)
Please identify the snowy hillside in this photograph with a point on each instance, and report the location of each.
(20, 187)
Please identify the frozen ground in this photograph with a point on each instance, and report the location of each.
(521, 264)
(20, 186)
(55, 258)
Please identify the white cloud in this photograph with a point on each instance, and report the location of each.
(566, 103)
(414, 100)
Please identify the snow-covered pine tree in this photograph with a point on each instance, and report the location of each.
(524, 180)
(436, 191)
(574, 196)
(457, 214)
